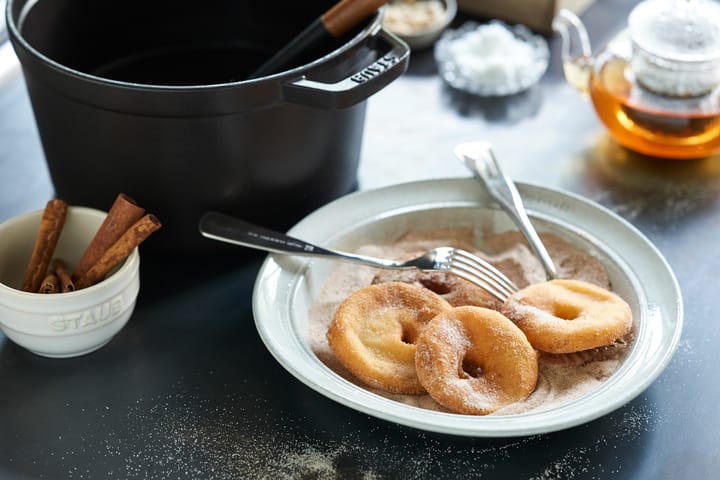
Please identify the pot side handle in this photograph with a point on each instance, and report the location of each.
(357, 87)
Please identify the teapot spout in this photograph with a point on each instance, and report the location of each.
(576, 52)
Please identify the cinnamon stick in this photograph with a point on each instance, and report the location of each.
(123, 213)
(51, 225)
(60, 269)
(119, 250)
(50, 284)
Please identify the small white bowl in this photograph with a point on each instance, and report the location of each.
(489, 70)
(425, 38)
(67, 324)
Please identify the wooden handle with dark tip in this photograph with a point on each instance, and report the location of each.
(346, 14)
(342, 17)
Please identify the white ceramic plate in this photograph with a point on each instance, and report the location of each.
(286, 287)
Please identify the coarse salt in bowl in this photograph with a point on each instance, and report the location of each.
(491, 59)
(62, 324)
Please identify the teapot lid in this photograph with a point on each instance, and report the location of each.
(677, 30)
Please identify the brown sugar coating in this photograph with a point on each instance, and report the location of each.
(374, 330)
(473, 360)
(564, 316)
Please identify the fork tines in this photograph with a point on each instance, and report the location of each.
(482, 273)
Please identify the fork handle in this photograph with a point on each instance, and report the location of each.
(503, 190)
(225, 228)
(507, 195)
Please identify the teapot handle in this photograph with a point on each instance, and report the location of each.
(575, 40)
(576, 52)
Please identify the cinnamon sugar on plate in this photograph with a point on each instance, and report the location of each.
(561, 378)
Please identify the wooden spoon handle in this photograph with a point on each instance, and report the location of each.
(345, 14)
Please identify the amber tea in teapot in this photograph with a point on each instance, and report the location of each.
(676, 128)
(656, 86)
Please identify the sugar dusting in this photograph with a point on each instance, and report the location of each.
(561, 378)
(577, 461)
(187, 436)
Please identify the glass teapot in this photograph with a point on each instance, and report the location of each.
(656, 85)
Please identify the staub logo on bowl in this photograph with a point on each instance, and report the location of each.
(380, 65)
(90, 318)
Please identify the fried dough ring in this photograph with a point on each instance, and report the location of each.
(373, 333)
(474, 360)
(564, 316)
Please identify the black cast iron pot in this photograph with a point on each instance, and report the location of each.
(149, 98)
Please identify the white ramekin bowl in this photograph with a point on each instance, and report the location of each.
(62, 324)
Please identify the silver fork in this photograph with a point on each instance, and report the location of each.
(225, 228)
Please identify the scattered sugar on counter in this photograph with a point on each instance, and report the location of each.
(491, 54)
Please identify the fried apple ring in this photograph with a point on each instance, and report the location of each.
(564, 316)
(373, 333)
(474, 360)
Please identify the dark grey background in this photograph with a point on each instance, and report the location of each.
(187, 390)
